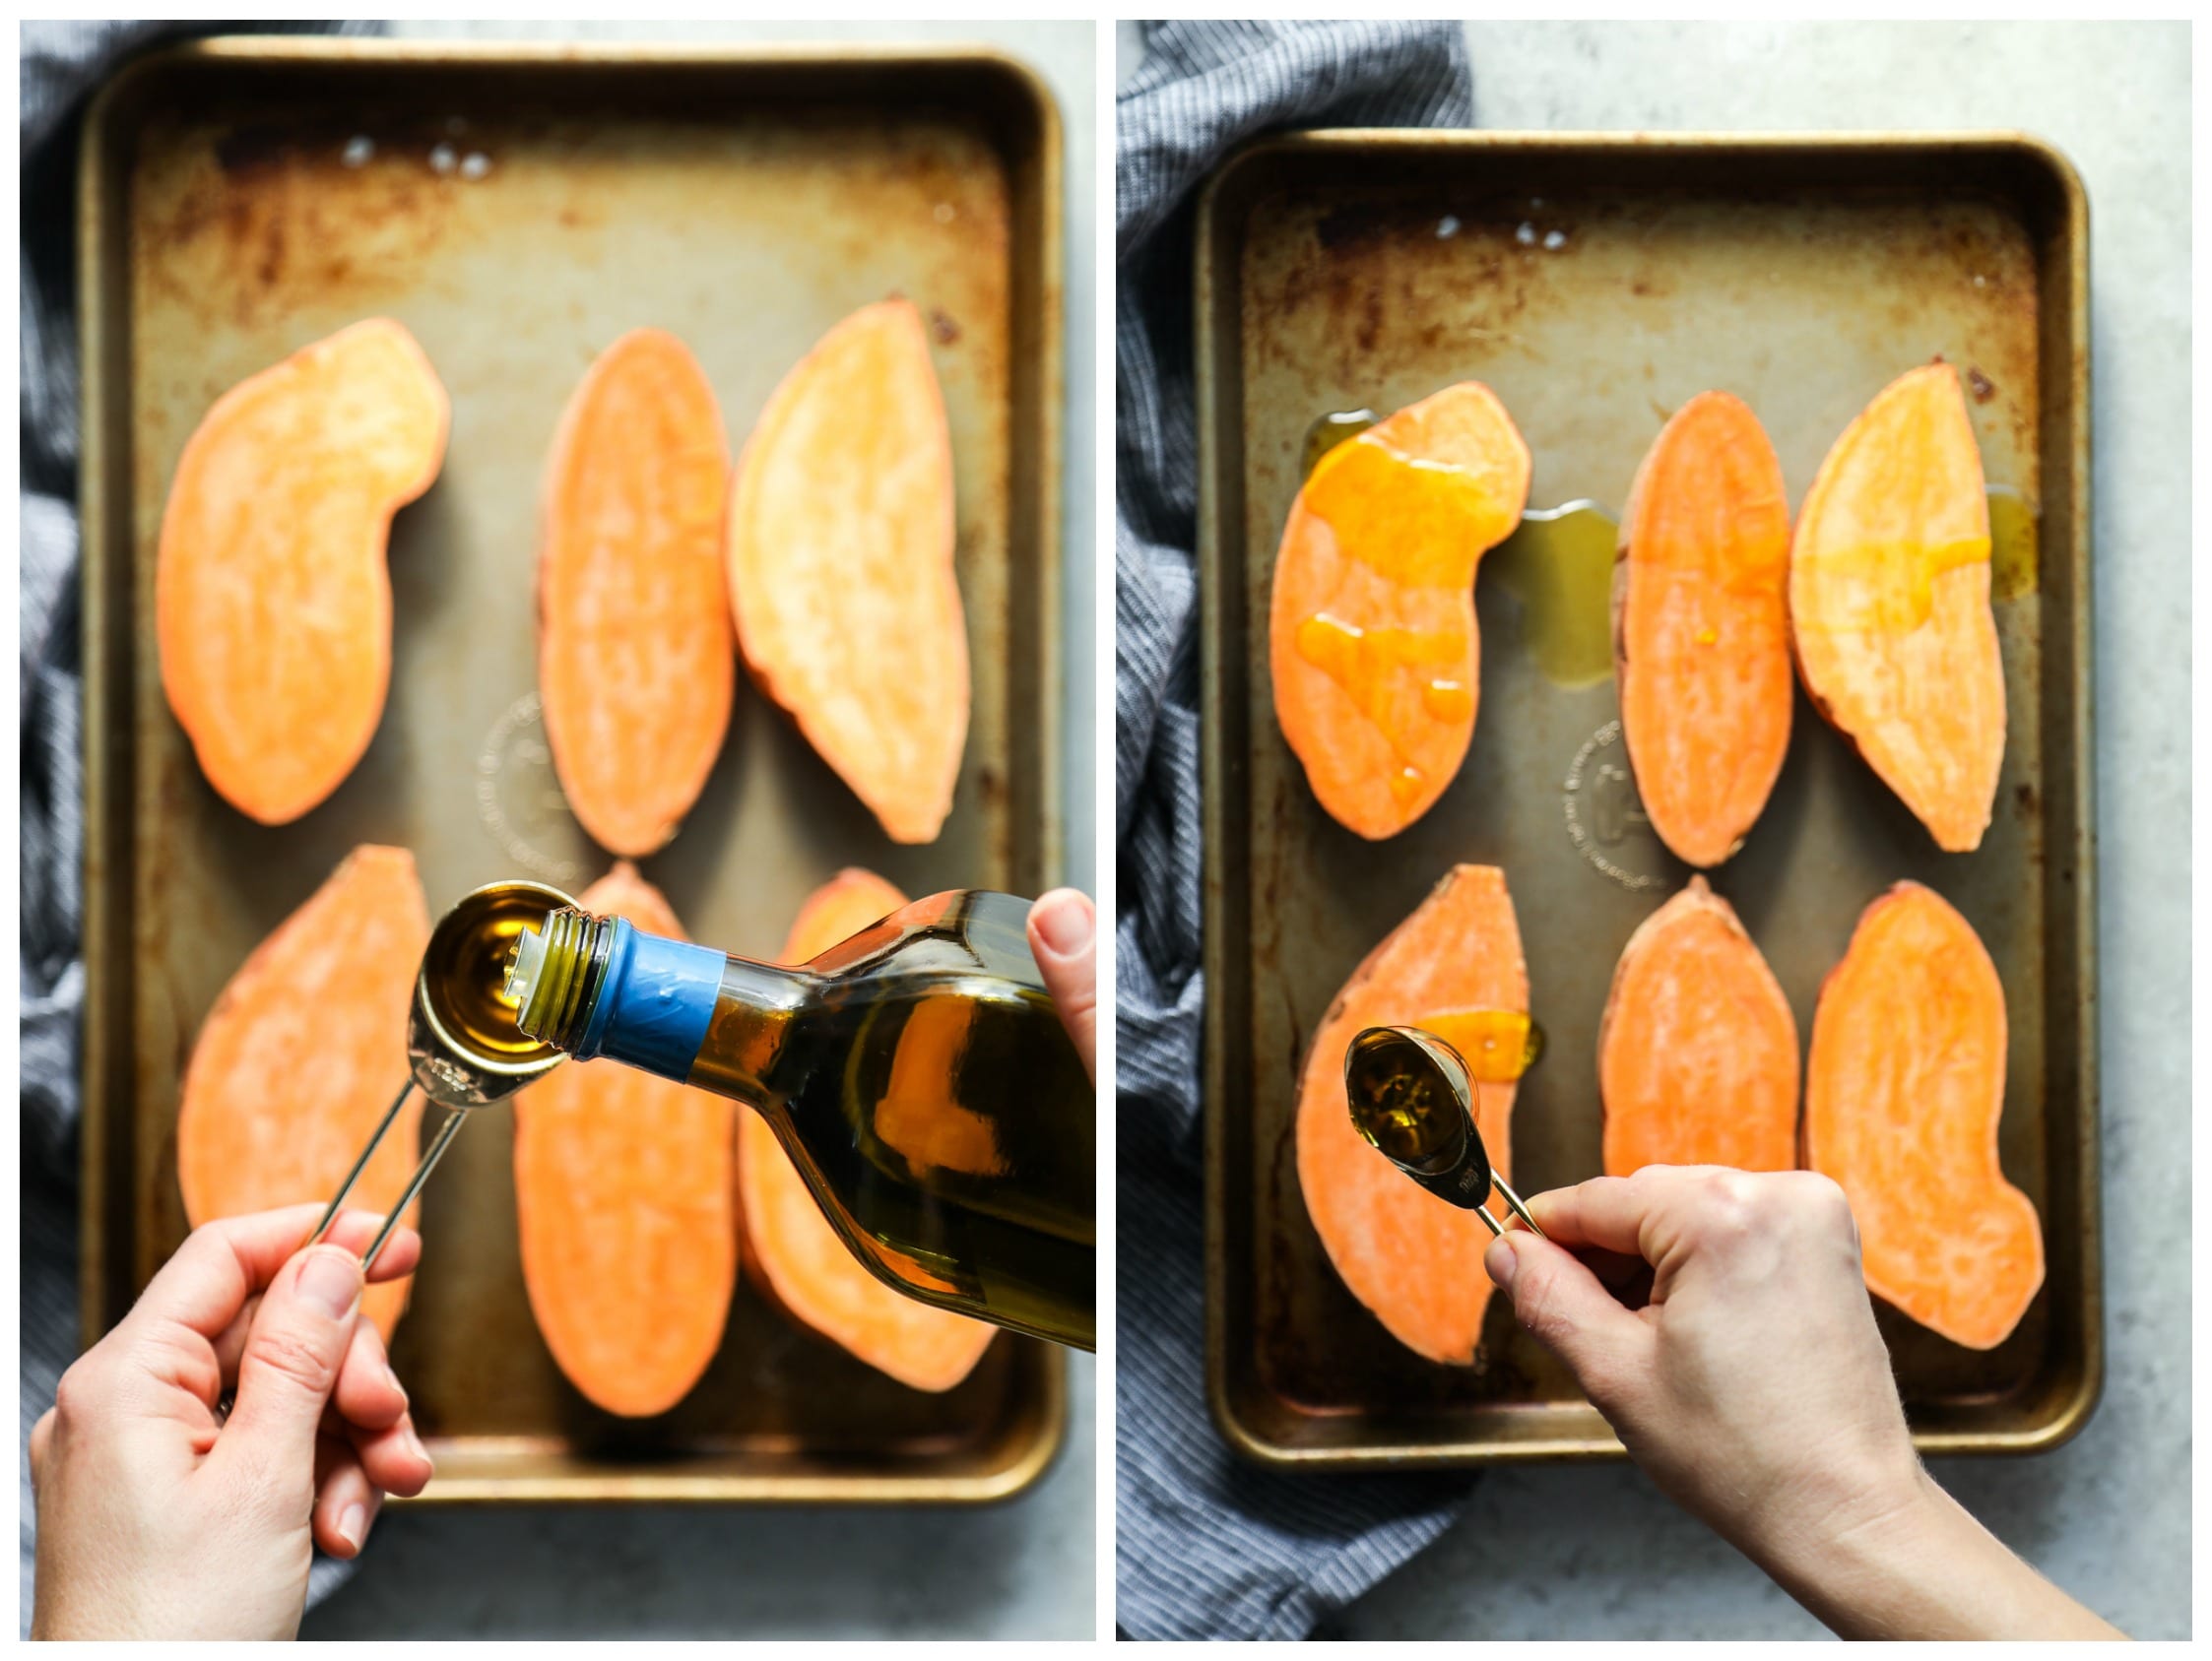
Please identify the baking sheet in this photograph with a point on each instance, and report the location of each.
(517, 209)
(1596, 282)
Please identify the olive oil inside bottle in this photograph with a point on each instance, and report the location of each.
(934, 1089)
(922, 1081)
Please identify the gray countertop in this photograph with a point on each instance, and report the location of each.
(1021, 1570)
(1596, 1553)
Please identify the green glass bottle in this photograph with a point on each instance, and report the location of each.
(918, 1075)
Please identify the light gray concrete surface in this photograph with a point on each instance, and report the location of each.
(1598, 1553)
(1022, 1570)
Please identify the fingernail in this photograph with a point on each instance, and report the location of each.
(331, 1282)
(1501, 1261)
(353, 1524)
(415, 1448)
(1063, 922)
(393, 1378)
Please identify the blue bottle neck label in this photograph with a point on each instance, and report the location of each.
(654, 1002)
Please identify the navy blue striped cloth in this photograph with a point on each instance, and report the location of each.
(1209, 1546)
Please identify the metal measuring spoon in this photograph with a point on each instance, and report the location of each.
(1412, 1099)
(449, 1057)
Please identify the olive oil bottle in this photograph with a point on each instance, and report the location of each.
(918, 1075)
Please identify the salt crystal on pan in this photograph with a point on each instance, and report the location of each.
(1555, 239)
(1527, 235)
(357, 152)
(442, 159)
(1447, 228)
(475, 164)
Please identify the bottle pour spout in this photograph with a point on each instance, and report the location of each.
(525, 967)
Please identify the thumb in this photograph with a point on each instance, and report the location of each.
(1064, 938)
(1565, 1309)
(292, 1357)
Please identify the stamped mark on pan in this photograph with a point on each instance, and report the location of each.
(1606, 819)
(518, 796)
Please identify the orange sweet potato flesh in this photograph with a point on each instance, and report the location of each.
(1415, 1260)
(272, 604)
(1372, 639)
(636, 663)
(1903, 1095)
(1701, 627)
(841, 574)
(1889, 599)
(795, 1252)
(302, 1054)
(1697, 1052)
(626, 1196)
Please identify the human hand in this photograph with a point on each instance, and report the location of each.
(1720, 1321)
(157, 1519)
(1752, 1383)
(1063, 939)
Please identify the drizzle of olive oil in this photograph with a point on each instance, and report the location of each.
(1419, 527)
(1559, 566)
(1880, 601)
(1328, 433)
(1888, 586)
(2015, 562)
(1497, 1045)
(1358, 659)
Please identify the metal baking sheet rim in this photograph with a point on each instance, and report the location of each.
(108, 655)
(1221, 748)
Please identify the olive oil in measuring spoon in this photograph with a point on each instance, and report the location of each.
(1411, 1098)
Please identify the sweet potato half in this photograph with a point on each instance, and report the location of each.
(1889, 601)
(636, 662)
(1697, 1051)
(1701, 627)
(626, 1198)
(272, 599)
(840, 558)
(1413, 1258)
(1373, 645)
(302, 1054)
(1904, 1092)
(794, 1252)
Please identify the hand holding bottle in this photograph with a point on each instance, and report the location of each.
(159, 1519)
(1063, 939)
(1720, 1322)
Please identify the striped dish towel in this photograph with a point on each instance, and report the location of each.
(1209, 1546)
